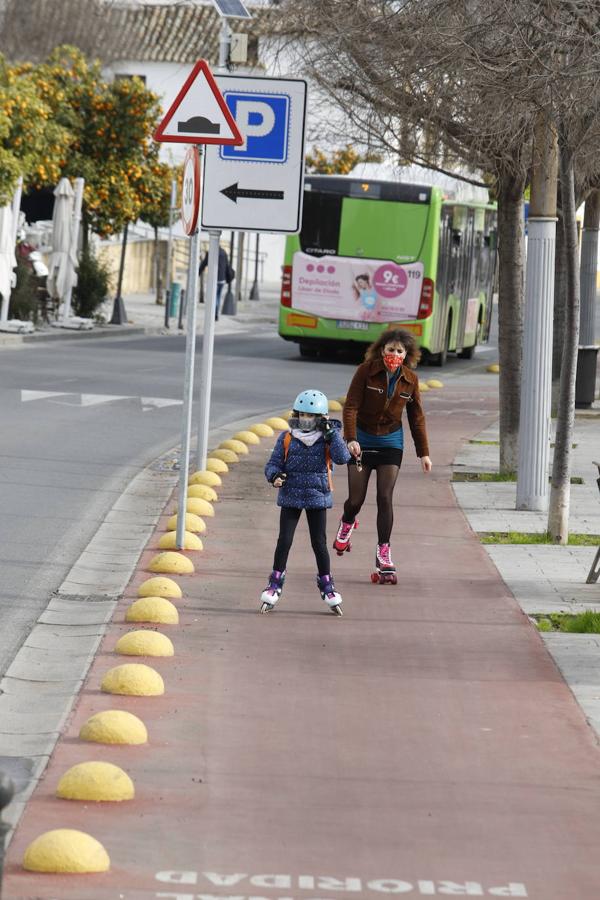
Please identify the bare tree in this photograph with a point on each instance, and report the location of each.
(425, 81)
(443, 81)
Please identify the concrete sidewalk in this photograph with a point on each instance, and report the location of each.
(544, 578)
(424, 744)
(145, 316)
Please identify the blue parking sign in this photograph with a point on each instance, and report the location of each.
(263, 121)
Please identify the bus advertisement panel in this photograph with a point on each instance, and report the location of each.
(367, 290)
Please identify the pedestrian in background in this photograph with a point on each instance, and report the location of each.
(381, 389)
(225, 275)
(300, 466)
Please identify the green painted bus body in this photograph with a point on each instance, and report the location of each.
(455, 242)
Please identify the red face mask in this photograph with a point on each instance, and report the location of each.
(392, 361)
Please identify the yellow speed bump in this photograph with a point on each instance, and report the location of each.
(216, 465)
(159, 587)
(171, 563)
(133, 680)
(95, 781)
(145, 643)
(238, 447)
(193, 523)
(262, 429)
(153, 609)
(423, 386)
(114, 726)
(66, 850)
(435, 383)
(205, 478)
(203, 491)
(494, 367)
(247, 437)
(228, 456)
(342, 400)
(278, 424)
(335, 406)
(190, 542)
(199, 507)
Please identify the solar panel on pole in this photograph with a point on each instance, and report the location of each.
(232, 9)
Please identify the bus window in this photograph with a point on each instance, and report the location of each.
(379, 229)
(321, 217)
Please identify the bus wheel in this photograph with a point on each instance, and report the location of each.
(439, 359)
(309, 351)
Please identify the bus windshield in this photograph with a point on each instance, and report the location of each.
(371, 219)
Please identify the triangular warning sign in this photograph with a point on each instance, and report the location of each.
(199, 114)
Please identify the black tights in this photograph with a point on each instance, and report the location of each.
(358, 483)
(317, 526)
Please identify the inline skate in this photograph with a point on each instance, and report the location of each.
(329, 594)
(272, 592)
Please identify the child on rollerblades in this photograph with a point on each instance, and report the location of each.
(300, 466)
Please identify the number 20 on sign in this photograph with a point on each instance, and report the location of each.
(190, 190)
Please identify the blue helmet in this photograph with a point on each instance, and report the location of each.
(312, 402)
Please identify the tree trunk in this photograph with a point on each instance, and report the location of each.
(558, 323)
(589, 265)
(560, 491)
(510, 314)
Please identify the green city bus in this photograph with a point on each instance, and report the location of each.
(375, 254)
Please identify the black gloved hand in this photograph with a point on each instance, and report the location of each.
(277, 475)
(327, 428)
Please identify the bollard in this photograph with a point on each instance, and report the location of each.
(229, 305)
(585, 383)
(174, 298)
(7, 790)
(182, 307)
(167, 306)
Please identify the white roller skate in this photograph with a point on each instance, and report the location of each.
(385, 570)
(272, 592)
(329, 594)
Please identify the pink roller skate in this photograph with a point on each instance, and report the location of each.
(385, 570)
(342, 543)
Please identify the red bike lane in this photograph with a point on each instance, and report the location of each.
(423, 745)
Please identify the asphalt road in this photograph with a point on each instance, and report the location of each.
(68, 453)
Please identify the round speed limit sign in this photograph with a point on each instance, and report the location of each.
(190, 190)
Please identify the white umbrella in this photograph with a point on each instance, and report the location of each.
(8, 260)
(63, 261)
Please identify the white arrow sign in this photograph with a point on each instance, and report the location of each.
(257, 185)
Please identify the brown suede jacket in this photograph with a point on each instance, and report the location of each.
(367, 404)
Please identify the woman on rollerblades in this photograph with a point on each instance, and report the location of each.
(300, 466)
(382, 388)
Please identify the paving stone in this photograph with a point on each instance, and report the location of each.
(43, 665)
(27, 744)
(66, 612)
(43, 637)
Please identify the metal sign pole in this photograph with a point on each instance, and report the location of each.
(188, 387)
(208, 340)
